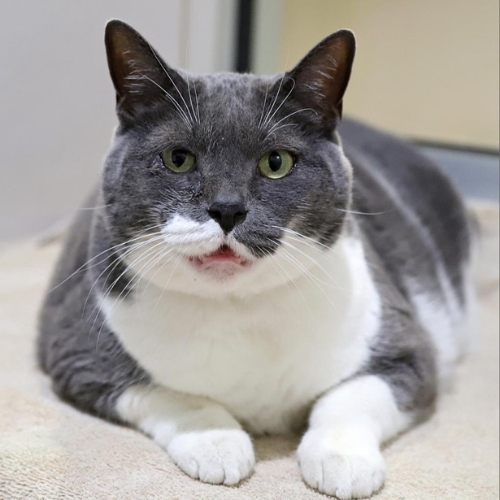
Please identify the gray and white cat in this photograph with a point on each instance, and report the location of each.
(246, 271)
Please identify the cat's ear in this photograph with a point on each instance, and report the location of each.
(321, 78)
(141, 78)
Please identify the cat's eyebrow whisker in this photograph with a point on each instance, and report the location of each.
(275, 98)
(197, 103)
(172, 81)
(181, 112)
(196, 119)
(263, 108)
(270, 117)
(273, 128)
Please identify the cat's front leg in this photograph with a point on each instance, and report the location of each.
(340, 453)
(200, 436)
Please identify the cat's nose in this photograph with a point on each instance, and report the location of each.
(228, 215)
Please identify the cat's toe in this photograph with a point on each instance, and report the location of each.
(333, 467)
(214, 456)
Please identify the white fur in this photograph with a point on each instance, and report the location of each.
(201, 437)
(340, 453)
(439, 315)
(264, 356)
(260, 344)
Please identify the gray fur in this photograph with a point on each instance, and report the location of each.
(230, 121)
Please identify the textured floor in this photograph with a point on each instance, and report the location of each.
(51, 451)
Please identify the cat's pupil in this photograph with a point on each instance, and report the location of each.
(275, 161)
(178, 157)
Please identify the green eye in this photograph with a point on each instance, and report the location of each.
(177, 159)
(276, 164)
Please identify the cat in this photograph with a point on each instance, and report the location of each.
(252, 266)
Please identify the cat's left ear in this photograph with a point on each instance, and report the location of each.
(321, 78)
(141, 78)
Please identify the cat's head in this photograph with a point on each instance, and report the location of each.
(225, 183)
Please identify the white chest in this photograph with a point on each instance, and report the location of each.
(266, 357)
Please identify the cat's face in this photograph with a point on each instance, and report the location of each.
(224, 183)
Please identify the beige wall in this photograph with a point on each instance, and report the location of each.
(428, 69)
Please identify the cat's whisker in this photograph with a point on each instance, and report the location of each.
(308, 275)
(163, 264)
(122, 296)
(363, 213)
(119, 260)
(273, 128)
(296, 233)
(93, 208)
(97, 307)
(128, 267)
(172, 81)
(197, 104)
(263, 107)
(181, 112)
(316, 263)
(196, 118)
(288, 280)
(270, 117)
(108, 250)
(168, 280)
(275, 98)
(295, 285)
(315, 242)
(152, 260)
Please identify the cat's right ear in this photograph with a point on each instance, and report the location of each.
(321, 78)
(141, 78)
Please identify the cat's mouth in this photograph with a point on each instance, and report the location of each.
(224, 256)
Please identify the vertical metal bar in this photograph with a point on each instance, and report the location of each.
(244, 33)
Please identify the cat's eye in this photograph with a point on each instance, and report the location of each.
(177, 159)
(276, 164)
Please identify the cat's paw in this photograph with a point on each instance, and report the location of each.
(333, 465)
(214, 456)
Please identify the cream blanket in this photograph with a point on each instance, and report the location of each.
(49, 450)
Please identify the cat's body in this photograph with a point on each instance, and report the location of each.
(344, 310)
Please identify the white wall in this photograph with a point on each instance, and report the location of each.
(57, 101)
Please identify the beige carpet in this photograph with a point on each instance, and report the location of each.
(51, 451)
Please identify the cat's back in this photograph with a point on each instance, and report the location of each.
(404, 192)
(418, 225)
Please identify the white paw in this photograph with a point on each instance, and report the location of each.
(214, 456)
(337, 465)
